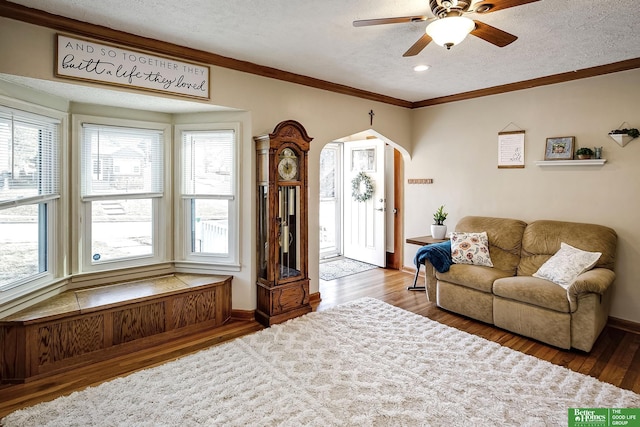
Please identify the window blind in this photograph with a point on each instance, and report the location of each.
(119, 161)
(208, 163)
(29, 158)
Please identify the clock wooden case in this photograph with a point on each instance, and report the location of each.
(282, 224)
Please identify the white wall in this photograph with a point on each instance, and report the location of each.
(456, 144)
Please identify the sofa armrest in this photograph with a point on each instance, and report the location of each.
(596, 281)
(430, 281)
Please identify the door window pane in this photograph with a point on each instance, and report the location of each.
(330, 204)
(328, 173)
(328, 224)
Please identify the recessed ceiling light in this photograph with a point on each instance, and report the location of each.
(421, 68)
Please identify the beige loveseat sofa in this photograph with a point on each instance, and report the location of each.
(508, 296)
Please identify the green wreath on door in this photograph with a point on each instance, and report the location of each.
(362, 187)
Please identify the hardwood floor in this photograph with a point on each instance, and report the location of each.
(615, 357)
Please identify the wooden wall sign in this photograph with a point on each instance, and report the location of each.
(82, 59)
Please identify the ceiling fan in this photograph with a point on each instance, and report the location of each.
(449, 26)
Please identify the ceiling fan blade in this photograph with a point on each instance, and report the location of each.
(380, 21)
(493, 35)
(494, 5)
(419, 45)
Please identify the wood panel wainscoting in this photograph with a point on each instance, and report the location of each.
(84, 326)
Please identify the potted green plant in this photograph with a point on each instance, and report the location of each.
(623, 136)
(584, 153)
(633, 132)
(438, 229)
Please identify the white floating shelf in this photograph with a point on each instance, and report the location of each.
(589, 162)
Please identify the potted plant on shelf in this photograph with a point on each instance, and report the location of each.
(584, 153)
(623, 136)
(438, 229)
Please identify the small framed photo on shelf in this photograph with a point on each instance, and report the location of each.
(559, 148)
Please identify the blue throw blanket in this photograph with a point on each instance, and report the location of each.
(438, 254)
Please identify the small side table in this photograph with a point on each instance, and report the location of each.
(421, 241)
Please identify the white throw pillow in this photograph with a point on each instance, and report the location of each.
(470, 248)
(566, 265)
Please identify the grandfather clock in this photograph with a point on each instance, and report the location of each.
(282, 241)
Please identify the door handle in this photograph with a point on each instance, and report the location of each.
(380, 209)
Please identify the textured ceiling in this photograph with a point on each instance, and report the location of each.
(317, 38)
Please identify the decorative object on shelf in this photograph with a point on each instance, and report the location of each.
(597, 152)
(624, 135)
(584, 153)
(559, 148)
(362, 187)
(282, 223)
(438, 229)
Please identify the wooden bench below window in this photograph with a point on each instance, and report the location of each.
(84, 326)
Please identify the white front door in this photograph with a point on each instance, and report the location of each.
(364, 221)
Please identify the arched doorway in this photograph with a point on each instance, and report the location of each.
(343, 220)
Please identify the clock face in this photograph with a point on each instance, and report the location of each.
(288, 165)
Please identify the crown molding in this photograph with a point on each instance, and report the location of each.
(584, 73)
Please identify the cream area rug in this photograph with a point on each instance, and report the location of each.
(364, 363)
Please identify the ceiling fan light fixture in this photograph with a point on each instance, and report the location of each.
(450, 31)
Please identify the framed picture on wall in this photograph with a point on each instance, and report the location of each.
(559, 148)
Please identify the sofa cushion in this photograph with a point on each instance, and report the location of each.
(473, 276)
(534, 291)
(541, 240)
(566, 265)
(466, 301)
(549, 326)
(505, 238)
(470, 248)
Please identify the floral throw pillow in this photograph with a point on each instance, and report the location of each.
(470, 248)
(566, 265)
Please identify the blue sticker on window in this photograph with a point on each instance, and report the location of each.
(96, 257)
